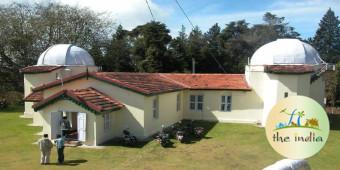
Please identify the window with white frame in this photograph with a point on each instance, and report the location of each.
(226, 103)
(178, 106)
(107, 121)
(155, 108)
(196, 102)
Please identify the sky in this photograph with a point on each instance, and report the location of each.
(304, 15)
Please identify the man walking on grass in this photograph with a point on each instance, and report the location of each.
(45, 146)
(59, 142)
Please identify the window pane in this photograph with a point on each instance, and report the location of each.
(229, 99)
(154, 103)
(192, 106)
(199, 106)
(192, 98)
(200, 98)
(222, 107)
(286, 94)
(223, 99)
(178, 102)
(229, 107)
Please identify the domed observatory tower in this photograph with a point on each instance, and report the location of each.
(285, 67)
(56, 63)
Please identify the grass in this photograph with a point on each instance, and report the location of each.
(225, 146)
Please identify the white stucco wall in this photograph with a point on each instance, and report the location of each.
(246, 106)
(168, 113)
(33, 80)
(272, 87)
(131, 117)
(66, 105)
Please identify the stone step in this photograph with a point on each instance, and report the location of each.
(72, 143)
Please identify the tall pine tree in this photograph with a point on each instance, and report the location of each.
(178, 52)
(327, 37)
(150, 43)
(118, 56)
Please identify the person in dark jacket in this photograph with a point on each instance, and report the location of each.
(65, 126)
(59, 142)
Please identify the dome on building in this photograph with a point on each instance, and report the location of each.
(65, 54)
(285, 52)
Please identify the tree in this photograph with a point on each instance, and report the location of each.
(150, 43)
(118, 57)
(178, 51)
(274, 27)
(28, 30)
(194, 49)
(234, 30)
(97, 54)
(327, 37)
(338, 84)
(212, 51)
(281, 27)
(235, 48)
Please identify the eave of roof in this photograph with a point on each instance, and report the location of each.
(289, 69)
(34, 97)
(39, 69)
(156, 83)
(89, 98)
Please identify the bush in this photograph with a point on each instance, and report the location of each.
(12, 98)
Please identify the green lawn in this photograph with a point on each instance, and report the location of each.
(226, 146)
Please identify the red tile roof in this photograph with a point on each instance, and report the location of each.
(88, 98)
(289, 69)
(145, 83)
(155, 83)
(38, 69)
(34, 97)
(210, 81)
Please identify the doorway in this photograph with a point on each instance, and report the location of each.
(73, 133)
(77, 121)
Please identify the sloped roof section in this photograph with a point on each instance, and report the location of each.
(289, 69)
(39, 69)
(34, 97)
(156, 83)
(145, 83)
(210, 81)
(89, 98)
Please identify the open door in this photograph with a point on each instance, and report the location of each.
(81, 121)
(55, 124)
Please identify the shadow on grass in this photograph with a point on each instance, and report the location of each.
(70, 162)
(334, 120)
(190, 138)
(120, 142)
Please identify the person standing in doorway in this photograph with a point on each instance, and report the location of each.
(65, 126)
(45, 146)
(59, 142)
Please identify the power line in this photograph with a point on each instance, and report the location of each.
(218, 63)
(185, 14)
(147, 3)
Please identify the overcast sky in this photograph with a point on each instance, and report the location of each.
(304, 15)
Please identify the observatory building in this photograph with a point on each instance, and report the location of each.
(100, 105)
